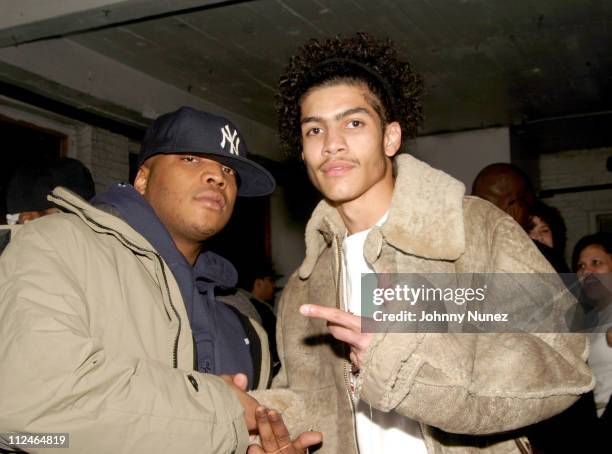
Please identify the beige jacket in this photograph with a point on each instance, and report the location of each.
(469, 384)
(95, 341)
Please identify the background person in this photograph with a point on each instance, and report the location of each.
(255, 296)
(592, 262)
(547, 229)
(507, 187)
(29, 186)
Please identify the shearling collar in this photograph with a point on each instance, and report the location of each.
(425, 218)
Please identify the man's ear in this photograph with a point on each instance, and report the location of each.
(392, 139)
(142, 177)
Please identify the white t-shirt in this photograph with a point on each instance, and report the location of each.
(377, 432)
(600, 360)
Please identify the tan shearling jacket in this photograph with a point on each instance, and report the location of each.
(95, 341)
(471, 393)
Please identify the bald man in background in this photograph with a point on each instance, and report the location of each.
(507, 187)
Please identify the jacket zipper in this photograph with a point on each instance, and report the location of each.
(346, 363)
(525, 448)
(178, 331)
(144, 252)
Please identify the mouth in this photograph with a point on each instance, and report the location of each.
(337, 168)
(211, 199)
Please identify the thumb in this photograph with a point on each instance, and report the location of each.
(307, 439)
(241, 381)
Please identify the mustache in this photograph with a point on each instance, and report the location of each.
(334, 162)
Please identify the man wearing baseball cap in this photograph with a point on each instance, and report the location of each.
(110, 331)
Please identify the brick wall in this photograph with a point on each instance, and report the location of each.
(568, 169)
(109, 158)
(83, 150)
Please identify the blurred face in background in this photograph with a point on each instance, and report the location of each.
(594, 270)
(264, 288)
(512, 194)
(27, 216)
(540, 231)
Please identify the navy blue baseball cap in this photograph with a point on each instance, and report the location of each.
(190, 131)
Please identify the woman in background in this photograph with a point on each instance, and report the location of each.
(547, 229)
(592, 262)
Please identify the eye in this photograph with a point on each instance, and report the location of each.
(190, 158)
(228, 170)
(313, 131)
(355, 123)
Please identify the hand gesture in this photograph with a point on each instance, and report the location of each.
(275, 437)
(345, 327)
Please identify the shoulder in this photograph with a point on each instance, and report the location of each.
(242, 303)
(63, 239)
(295, 292)
(480, 211)
(484, 219)
(492, 233)
(44, 231)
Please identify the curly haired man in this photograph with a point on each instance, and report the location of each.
(345, 105)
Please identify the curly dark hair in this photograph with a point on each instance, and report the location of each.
(360, 59)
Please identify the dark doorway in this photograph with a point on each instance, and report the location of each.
(22, 144)
(245, 240)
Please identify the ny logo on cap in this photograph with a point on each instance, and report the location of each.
(232, 139)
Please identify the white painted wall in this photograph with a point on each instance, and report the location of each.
(288, 248)
(463, 154)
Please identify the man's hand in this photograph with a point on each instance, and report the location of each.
(345, 327)
(275, 437)
(238, 383)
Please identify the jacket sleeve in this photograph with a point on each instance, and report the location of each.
(57, 377)
(289, 402)
(470, 383)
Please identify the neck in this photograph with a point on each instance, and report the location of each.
(366, 210)
(189, 250)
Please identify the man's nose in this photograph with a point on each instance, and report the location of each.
(213, 174)
(334, 142)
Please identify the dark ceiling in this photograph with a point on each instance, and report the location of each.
(485, 62)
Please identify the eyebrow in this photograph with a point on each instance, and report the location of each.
(338, 116)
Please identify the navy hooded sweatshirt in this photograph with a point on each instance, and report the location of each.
(221, 344)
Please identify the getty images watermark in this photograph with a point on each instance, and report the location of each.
(476, 303)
